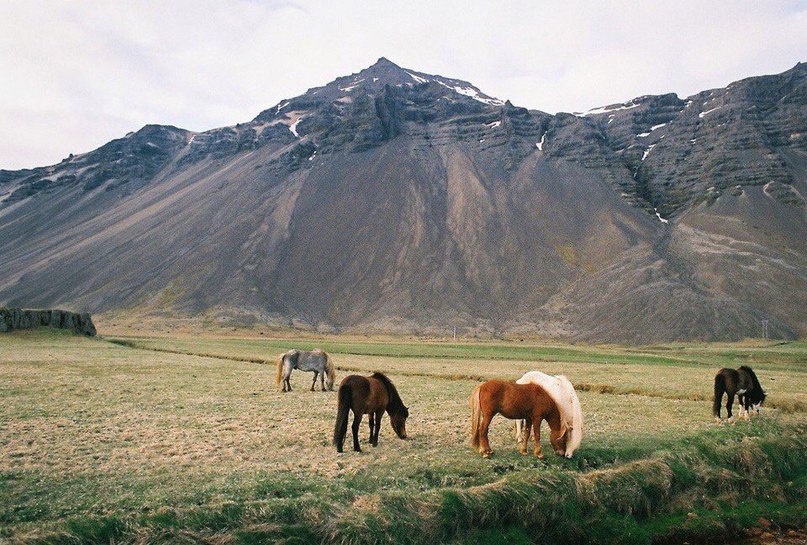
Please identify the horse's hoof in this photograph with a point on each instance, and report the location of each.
(485, 455)
(523, 452)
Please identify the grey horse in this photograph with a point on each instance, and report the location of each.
(316, 361)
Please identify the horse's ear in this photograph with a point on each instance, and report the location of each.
(565, 431)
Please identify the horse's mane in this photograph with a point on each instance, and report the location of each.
(758, 394)
(576, 435)
(395, 403)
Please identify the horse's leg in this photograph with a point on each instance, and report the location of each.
(729, 403)
(536, 429)
(378, 416)
(288, 380)
(484, 444)
(718, 405)
(525, 436)
(314, 383)
(322, 381)
(371, 417)
(356, 424)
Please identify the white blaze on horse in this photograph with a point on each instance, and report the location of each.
(562, 392)
(316, 361)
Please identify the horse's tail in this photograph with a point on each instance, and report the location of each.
(476, 415)
(720, 388)
(330, 371)
(280, 368)
(345, 396)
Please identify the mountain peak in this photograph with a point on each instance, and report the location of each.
(371, 81)
(384, 62)
(385, 70)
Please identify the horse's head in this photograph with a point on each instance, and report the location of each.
(759, 401)
(398, 421)
(559, 438)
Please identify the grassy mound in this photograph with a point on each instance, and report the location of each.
(710, 486)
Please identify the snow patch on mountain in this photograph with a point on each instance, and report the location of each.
(607, 109)
(418, 78)
(473, 93)
(707, 112)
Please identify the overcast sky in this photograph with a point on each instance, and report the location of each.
(76, 74)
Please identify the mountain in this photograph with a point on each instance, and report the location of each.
(393, 200)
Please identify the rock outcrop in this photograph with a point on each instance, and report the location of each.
(17, 318)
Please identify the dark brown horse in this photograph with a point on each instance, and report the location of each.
(744, 384)
(368, 395)
(528, 402)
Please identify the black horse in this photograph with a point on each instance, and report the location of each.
(741, 382)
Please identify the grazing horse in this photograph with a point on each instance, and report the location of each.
(529, 402)
(368, 395)
(742, 382)
(562, 392)
(315, 361)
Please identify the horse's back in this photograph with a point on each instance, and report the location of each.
(553, 386)
(535, 377)
(313, 360)
(355, 382)
(728, 374)
(364, 391)
(512, 400)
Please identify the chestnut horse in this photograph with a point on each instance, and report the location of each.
(368, 395)
(528, 402)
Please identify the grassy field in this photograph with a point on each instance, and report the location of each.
(176, 439)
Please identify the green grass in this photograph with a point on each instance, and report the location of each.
(101, 442)
(769, 354)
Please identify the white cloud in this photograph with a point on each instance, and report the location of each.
(78, 74)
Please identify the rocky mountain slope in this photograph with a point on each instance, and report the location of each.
(396, 200)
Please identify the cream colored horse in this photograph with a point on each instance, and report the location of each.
(562, 392)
